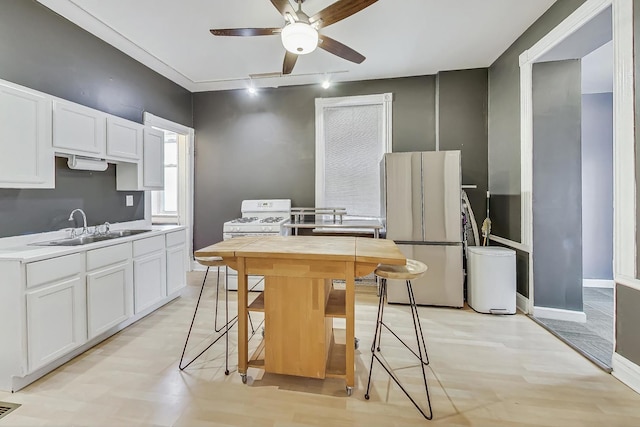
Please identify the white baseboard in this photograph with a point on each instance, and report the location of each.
(626, 371)
(560, 314)
(598, 283)
(522, 303)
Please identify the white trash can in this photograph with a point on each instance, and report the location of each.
(491, 279)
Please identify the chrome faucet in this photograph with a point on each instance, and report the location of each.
(84, 220)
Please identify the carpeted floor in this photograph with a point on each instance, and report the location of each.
(594, 338)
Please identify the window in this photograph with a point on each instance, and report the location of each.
(352, 135)
(165, 203)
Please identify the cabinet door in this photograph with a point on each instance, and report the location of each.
(109, 297)
(149, 280)
(78, 129)
(153, 160)
(26, 157)
(56, 322)
(176, 272)
(124, 139)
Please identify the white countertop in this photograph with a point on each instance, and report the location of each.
(20, 249)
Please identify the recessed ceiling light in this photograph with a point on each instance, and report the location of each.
(252, 90)
(326, 84)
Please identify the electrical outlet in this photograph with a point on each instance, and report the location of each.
(129, 200)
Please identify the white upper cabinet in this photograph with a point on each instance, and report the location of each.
(78, 129)
(153, 159)
(124, 139)
(149, 173)
(26, 157)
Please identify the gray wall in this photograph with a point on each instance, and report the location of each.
(557, 188)
(43, 51)
(597, 186)
(628, 299)
(462, 107)
(627, 321)
(264, 146)
(504, 123)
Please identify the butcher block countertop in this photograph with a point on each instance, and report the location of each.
(358, 249)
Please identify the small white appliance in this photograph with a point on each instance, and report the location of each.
(491, 286)
(259, 218)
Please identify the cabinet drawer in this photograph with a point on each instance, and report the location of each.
(49, 270)
(176, 238)
(98, 258)
(148, 245)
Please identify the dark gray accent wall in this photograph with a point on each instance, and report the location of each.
(627, 321)
(504, 123)
(597, 186)
(43, 51)
(264, 146)
(557, 188)
(36, 211)
(462, 107)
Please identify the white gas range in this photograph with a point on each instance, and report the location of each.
(259, 218)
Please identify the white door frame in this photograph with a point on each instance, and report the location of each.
(186, 176)
(623, 124)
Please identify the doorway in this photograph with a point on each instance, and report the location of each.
(174, 205)
(569, 301)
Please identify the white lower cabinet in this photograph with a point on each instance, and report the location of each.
(149, 272)
(59, 306)
(56, 322)
(176, 261)
(109, 288)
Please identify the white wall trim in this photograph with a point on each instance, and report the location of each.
(187, 177)
(510, 243)
(624, 190)
(629, 282)
(626, 371)
(598, 283)
(560, 314)
(522, 303)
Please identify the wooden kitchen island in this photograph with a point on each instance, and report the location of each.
(299, 300)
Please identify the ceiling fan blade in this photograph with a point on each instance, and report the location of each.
(289, 62)
(283, 6)
(338, 11)
(245, 32)
(337, 48)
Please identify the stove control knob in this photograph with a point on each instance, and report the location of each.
(236, 228)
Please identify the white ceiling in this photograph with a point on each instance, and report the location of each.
(399, 38)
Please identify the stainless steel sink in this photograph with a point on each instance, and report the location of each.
(125, 233)
(91, 238)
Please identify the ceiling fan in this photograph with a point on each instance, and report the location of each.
(300, 34)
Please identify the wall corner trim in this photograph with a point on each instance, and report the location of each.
(560, 314)
(626, 371)
(522, 303)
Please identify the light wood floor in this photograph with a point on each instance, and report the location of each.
(485, 371)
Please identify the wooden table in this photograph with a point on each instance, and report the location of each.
(299, 301)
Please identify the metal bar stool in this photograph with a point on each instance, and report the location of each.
(213, 262)
(412, 270)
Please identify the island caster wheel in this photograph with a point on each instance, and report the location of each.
(349, 390)
(357, 343)
(226, 372)
(366, 396)
(244, 378)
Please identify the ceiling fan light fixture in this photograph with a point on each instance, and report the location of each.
(299, 38)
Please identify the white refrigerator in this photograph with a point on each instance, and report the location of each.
(422, 203)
